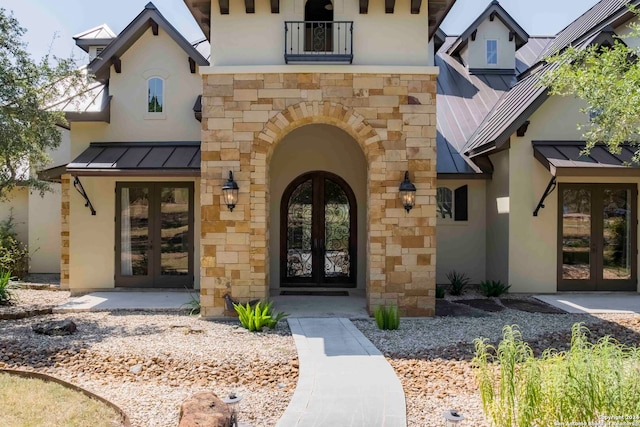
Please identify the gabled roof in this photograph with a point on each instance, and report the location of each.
(96, 36)
(494, 10)
(517, 105)
(150, 17)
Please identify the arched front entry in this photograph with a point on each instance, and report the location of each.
(318, 232)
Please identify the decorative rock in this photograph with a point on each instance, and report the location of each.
(136, 369)
(204, 409)
(56, 328)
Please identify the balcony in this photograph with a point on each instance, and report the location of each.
(318, 41)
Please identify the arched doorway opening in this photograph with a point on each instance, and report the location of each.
(318, 16)
(318, 232)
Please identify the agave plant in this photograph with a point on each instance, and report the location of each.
(255, 318)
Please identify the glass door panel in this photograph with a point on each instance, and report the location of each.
(299, 232)
(337, 260)
(174, 231)
(576, 234)
(597, 237)
(616, 227)
(154, 235)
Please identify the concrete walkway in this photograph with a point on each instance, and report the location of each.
(594, 303)
(344, 380)
(123, 300)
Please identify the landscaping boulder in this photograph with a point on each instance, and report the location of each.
(204, 409)
(55, 327)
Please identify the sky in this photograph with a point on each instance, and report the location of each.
(50, 24)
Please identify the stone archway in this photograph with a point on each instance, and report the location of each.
(243, 121)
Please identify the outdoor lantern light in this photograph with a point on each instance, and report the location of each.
(407, 193)
(232, 402)
(230, 192)
(452, 418)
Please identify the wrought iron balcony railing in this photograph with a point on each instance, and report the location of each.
(318, 41)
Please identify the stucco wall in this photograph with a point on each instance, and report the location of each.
(312, 148)
(92, 238)
(44, 231)
(475, 55)
(149, 56)
(400, 38)
(498, 219)
(17, 204)
(462, 244)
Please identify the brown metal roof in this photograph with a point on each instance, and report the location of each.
(567, 158)
(122, 158)
(464, 100)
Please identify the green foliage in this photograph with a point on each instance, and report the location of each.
(258, 317)
(607, 79)
(458, 282)
(14, 256)
(440, 291)
(6, 294)
(587, 385)
(387, 318)
(29, 91)
(193, 305)
(493, 288)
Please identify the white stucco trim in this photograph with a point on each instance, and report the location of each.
(315, 68)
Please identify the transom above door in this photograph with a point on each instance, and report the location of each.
(597, 245)
(154, 234)
(318, 232)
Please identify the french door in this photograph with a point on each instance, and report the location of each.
(154, 234)
(597, 237)
(318, 232)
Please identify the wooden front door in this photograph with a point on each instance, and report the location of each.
(597, 248)
(154, 234)
(318, 232)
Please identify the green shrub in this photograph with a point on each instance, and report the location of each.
(440, 291)
(6, 294)
(387, 318)
(493, 288)
(257, 317)
(193, 305)
(14, 256)
(590, 384)
(458, 282)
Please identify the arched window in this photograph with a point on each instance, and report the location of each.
(452, 204)
(155, 95)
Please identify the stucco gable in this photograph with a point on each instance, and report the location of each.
(150, 17)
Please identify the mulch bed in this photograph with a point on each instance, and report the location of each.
(448, 308)
(530, 306)
(482, 304)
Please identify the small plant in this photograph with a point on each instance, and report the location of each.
(493, 288)
(14, 255)
(387, 318)
(440, 291)
(458, 282)
(586, 385)
(193, 305)
(255, 318)
(6, 294)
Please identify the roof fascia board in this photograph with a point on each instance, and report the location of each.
(101, 65)
(438, 20)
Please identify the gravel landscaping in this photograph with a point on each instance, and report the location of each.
(148, 363)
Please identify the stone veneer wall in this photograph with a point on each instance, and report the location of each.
(64, 230)
(393, 119)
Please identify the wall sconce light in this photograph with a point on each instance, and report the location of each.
(452, 418)
(232, 402)
(407, 193)
(230, 192)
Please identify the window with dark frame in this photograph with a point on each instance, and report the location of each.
(452, 204)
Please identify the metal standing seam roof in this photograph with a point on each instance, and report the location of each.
(525, 97)
(464, 99)
(138, 156)
(560, 156)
